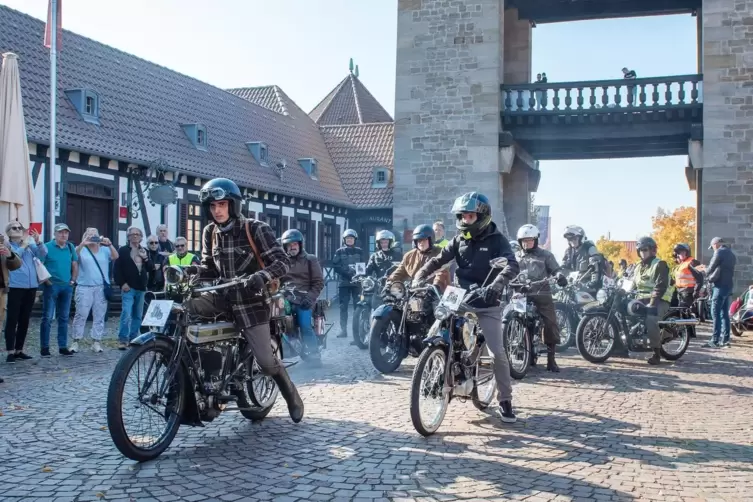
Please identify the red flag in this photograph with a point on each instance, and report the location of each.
(48, 26)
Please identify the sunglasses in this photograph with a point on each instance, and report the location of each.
(15, 228)
(180, 246)
(152, 243)
(644, 250)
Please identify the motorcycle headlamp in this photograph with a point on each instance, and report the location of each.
(601, 296)
(441, 313)
(368, 284)
(174, 275)
(397, 290)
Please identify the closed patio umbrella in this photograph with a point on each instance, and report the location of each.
(16, 188)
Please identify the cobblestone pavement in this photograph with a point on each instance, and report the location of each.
(617, 431)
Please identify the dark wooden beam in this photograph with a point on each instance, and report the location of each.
(556, 11)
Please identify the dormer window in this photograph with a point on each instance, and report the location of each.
(260, 151)
(197, 135)
(309, 165)
(381, 177)
(86, 103)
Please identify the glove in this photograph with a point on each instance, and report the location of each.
(191, 270)
(492, 293)
(561, 280)
(306, 303)
(254, 282)
(385, 290)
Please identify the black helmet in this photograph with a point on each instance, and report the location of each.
(423, 232)
(382, 235)
(645, 242)
(680, 248)
(221, 189)
(472, 202)
(349, 233)
(292, 235)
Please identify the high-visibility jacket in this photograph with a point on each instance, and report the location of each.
(443, 243)
(182, 262)
(684, 278)
(644, 281)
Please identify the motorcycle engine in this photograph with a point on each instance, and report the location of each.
(211, 361)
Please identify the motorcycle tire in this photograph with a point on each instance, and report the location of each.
(361, 336)
(252, 405)
(572, 325)
(736, 330)
(580, 343)
(115, 403)
(482, 403)
(520, 372)
(384, 366)
(415, 391)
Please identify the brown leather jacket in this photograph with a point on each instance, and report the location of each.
(8, 263)
(412, 263)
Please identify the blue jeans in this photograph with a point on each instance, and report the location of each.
(56, 303)
(131, 316)
(307, 330)
(720, 314)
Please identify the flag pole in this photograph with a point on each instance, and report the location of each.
(53, 110)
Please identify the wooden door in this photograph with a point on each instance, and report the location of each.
(84, 212)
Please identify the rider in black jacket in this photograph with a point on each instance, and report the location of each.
(385, 254)
(344, 263)
(583, 257)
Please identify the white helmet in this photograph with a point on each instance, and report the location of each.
(528, 231)
(575, 231)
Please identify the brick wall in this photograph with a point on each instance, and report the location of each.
(726, 192)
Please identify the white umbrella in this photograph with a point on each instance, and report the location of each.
(16, 188)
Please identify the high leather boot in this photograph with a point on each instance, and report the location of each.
(656, 358)
(551, 364)
(290, 393)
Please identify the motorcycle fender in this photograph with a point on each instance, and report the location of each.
(434, 341)
(595, 308)
(381, 311)
(147, 337)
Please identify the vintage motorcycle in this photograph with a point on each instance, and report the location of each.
(399, 325)
(186, 371)
(741, 320)
(617, 313)
(455, 362)
(568, 304)
(285, 320)
(366, 303)
(524, 327)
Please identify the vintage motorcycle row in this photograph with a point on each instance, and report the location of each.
(188, 370)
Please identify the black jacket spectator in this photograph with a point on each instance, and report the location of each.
(126, 272)
(721, 269)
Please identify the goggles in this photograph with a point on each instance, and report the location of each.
(212, 194)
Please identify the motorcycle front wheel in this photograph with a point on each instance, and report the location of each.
(426, 391)
(518, 345)
(135, 393)
(595, 338)
(361, 326)
(736, 330)
(485, 385)
(385, 347)
(567, 323)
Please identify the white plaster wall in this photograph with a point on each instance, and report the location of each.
(340, 223)
(288, 211)
(256, 207)
(90, 174)
(38, 210)
(172, 216)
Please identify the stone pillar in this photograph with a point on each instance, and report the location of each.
(517, 203)
(727, 180)
(447, 105)
(517, 49)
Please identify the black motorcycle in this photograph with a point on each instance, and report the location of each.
(618, 313)
(399, 325)
(367, 301)
(524, 327)
(185, 371)
(283, 316)
(568, 305)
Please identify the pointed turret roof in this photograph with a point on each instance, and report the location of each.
(349, 103)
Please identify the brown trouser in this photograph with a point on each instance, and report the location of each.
(258, 337)
(545, 305)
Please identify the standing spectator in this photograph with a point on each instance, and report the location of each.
(181, 256)
(632, 89)
(9, 261)
(544, 80)
(156, 274)
(720, 273)
(439, 238)
(131, 273)
(166, 247)
(62, 264)
(95, 256)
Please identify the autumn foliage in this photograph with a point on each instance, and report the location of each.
(669, 228)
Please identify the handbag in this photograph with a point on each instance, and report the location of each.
(106, 288)
(43, 275)
(273, 286)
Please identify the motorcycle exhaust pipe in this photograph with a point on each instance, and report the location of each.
(679, 322)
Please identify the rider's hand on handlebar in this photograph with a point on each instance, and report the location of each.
(191, 270)
(561, 280)
(493, 292)
(254, 282)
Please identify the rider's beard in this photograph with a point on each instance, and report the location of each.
(293, 252)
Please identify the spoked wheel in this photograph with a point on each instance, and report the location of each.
(518, 345)
(486, 385)
(736, 329)
(385, 345)
(361, 327)
(145, 401)
(259, 392)
(567, 325)
(428, 402)
(675, 341)
(595, 338)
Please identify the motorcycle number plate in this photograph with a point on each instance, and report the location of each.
(519, 304)
(627, 285)
(453, 297)
(157, 313)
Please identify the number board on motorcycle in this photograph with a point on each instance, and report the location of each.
(608, 282)
(572, 276)
(453, 297)
(627, 285)
(396, 263)
(519, 304)
(157, 313)
(359, 268)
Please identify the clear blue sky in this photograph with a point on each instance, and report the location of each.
(304, 47)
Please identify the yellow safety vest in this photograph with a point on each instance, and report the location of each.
(643, 275)
(182, 262)
(443, 243)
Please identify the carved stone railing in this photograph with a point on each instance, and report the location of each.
(603, 96)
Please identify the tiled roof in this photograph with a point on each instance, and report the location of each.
(356, 151)
(142, 106)
(270, 97)
(349, 103)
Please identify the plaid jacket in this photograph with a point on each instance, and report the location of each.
(227, 255)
